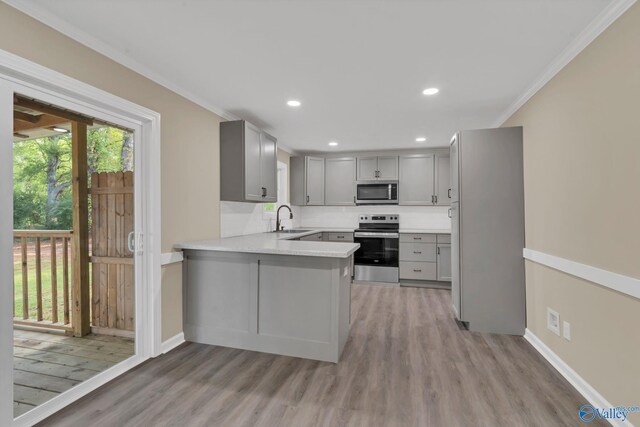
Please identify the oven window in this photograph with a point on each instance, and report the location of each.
(377, 251)
(377, 191)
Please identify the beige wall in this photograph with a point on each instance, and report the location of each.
(190, 164)
(582, 197)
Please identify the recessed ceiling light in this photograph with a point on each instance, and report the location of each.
(431, 91)
(421, 139)
(63, 130)
(293, 103)
(333, 143)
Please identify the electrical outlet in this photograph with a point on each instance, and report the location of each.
(566, 330)
(553, 321)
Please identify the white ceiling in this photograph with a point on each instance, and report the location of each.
(358, 67)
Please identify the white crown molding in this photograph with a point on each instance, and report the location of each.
(617, 282)
(607, 17)
(579, 383)
(93, 43)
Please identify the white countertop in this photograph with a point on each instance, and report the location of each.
(277, 244)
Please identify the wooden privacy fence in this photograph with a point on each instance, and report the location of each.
(47, 314)
(112, 277)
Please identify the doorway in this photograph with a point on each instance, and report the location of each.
(55, 320)
(73, 254)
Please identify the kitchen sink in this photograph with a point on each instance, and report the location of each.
(292, 230)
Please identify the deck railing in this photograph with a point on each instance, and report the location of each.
(28, 251)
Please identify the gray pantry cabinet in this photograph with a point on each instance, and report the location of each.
(248, 163)
(307, 181)
(339, 185)
(372, 168)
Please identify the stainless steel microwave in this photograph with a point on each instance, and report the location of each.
(377, 192)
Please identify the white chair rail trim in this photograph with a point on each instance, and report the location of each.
(618, 282)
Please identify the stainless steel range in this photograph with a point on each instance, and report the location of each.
(377, 258)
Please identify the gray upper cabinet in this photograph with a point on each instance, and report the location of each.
(367, 168)
(307, 181)
(442, 180)
(340, 175)
(268, 167)
(388, 167)
(377, 168)
(416, 181)
(248, 159)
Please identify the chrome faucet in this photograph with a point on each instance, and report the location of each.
(278, 227)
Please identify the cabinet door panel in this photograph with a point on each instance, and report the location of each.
(388, 167)
(416, 180)
(268, 167)
(444, 263)
(340, 175)
(456, 283)
(252, 150)
(454, 152)
(367, 168)
(443, 179)
(315, 181)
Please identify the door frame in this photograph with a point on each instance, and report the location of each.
(28, 78)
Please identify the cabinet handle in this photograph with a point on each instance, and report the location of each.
(340, 237)
(416, 270)
(354, 200)
(417, 238)
(435, 200)
(438, 250)
(264, 191)
(449, 213)
(416, 252)
(449, 193)
(307, 198)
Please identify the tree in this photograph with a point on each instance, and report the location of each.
(126, 156)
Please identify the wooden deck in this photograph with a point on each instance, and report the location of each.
(47, 364)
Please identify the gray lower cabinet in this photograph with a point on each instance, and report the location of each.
(416, 181)
(296, 306)
(444, 262)
(418, 256)
(425, 257)
(248, 163)
(338, 237)
(442, 175)
(339, 185)
(307, 181)
(313, 237)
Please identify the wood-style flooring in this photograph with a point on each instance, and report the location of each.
(407, 363)
(47, 364)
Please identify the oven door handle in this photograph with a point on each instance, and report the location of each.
(383, 235)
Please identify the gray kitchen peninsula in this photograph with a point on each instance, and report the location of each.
(269, 292)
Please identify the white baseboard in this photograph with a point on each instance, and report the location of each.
(172, 343)
(584, 388)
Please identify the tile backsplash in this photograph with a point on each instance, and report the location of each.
(248, 218)
(424, 217)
